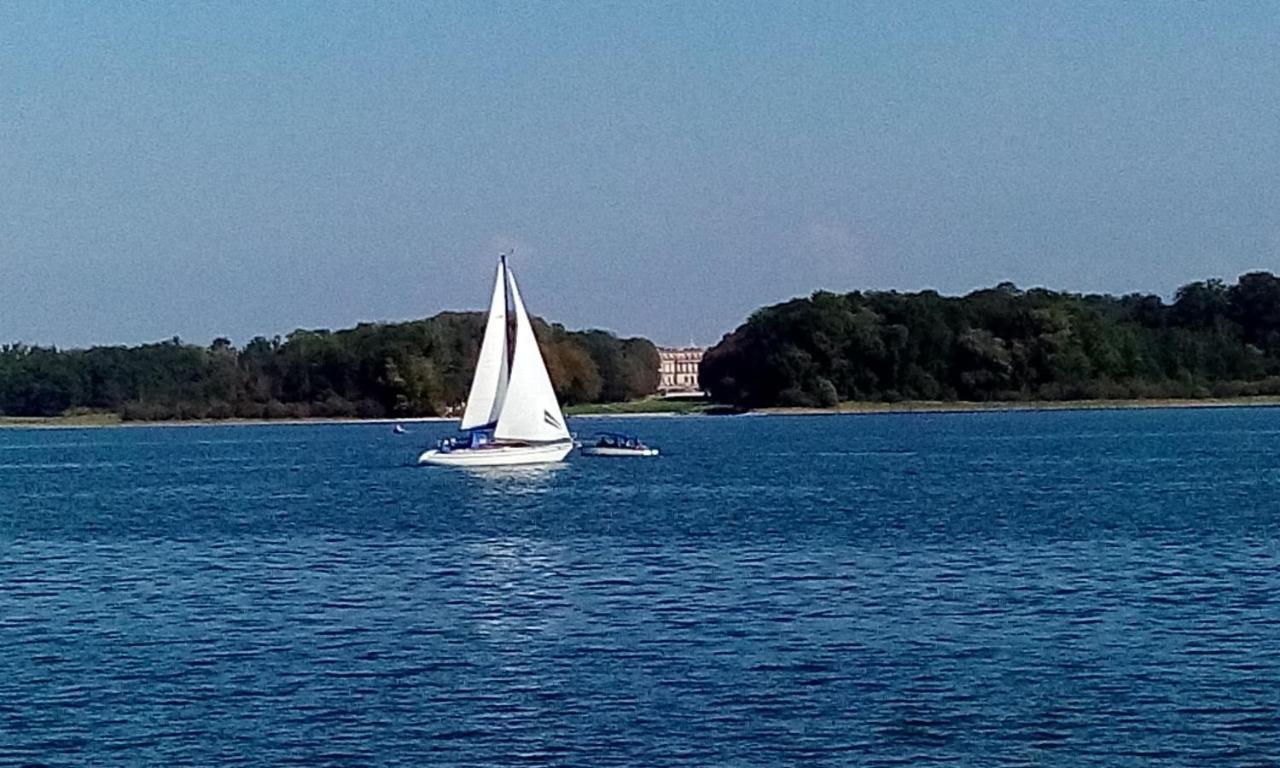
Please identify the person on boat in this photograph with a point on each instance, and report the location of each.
(620, 441)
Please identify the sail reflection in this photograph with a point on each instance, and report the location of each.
(517, 589)
(527, 479)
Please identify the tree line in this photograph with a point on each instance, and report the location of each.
(419, 368)
(1003, 343)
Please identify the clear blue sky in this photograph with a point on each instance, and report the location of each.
(661, 168)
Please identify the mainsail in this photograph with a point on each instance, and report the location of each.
(489, 387)
(529, 412)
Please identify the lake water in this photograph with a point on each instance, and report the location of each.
(1088, 588)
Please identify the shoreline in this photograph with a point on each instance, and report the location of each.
(1007, 406)
(852, 408)
(104, 421)
(110, 421)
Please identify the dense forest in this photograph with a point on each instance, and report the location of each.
(420, 368)
(1003, 343)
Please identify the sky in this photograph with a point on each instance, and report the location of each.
(660, 169)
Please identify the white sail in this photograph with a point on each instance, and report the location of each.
(489, 387)
(530, 411)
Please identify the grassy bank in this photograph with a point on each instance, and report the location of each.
(70, 420)
(639, 408)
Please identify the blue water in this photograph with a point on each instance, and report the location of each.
(1093, 588)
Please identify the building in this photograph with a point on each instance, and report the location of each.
(678, 370)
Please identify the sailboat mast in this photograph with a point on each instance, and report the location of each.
(506, 303)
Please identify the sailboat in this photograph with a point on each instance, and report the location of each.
(512, 415)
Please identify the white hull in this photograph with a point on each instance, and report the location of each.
(498, 455)
(596, 450)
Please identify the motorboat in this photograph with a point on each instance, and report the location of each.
(617, 444)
